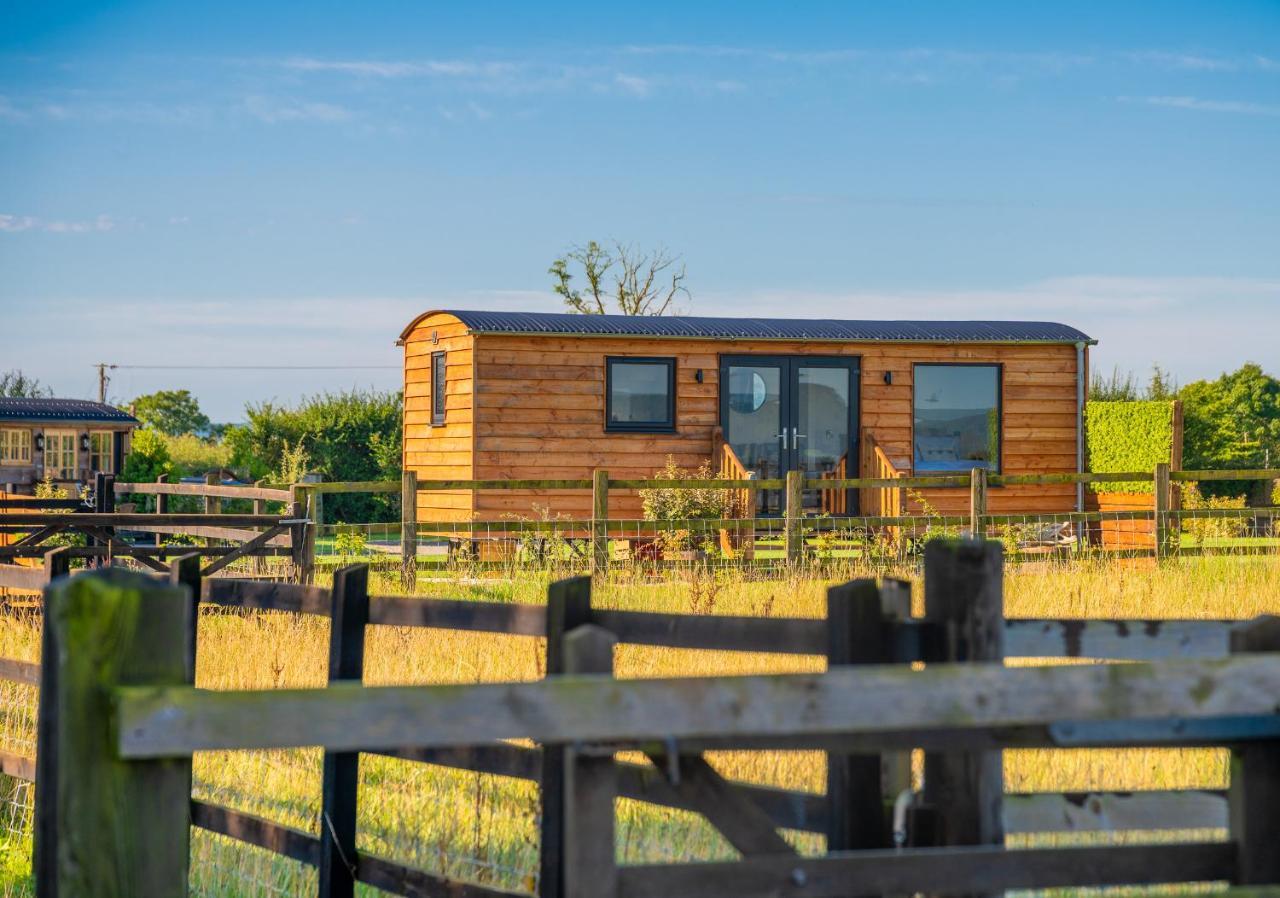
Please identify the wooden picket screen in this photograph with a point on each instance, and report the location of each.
(131, 733)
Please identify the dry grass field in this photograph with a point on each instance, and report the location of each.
(484, 828)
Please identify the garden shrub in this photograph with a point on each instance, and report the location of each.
(1211, 528)
(1127, 436)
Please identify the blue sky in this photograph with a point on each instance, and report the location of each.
(223, 184)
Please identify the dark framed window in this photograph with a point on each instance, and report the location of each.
(956, 417)
(438, 384)
(640, 395)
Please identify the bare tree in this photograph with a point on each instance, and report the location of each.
(633, 281)
(15, 383)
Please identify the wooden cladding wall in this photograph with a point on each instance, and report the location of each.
(440, 452)
(532, 407)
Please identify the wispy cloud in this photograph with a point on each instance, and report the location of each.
(13, 224)
(452, 68)
(1190, 61)
(1243, 107)
(633, 84)
(273, 111)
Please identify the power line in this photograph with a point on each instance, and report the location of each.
(253, 367)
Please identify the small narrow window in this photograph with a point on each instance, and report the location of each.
(437, 387)
(15, 447)
(640, 395)
(102, 446)
(956, 417)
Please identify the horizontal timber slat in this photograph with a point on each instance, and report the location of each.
(933, 870)
(1132, 640)
(266, 596)
(253, 830)
(793, 636)
(20, 671)
(202, 489)
(142, 521)
(458, 614)
(31, 579)
(1114, 811)
(164, 722)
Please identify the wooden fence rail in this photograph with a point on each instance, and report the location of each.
(859, 710)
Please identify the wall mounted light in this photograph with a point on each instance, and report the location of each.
(888, 377)
(435, 337)
(39, 442)
(697, 375)
(84, 442)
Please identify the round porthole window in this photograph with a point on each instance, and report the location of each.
(747, 391)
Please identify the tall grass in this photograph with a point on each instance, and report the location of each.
(484, 827)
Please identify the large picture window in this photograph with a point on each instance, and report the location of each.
(640, 395)
(439, 383)
(102, 447)
(956, 418)
(15, 446)
(60, 454)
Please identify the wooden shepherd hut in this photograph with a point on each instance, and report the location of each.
(520, 395)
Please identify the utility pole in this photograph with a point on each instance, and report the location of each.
(103, 380)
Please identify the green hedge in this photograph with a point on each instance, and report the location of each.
(1127, 436)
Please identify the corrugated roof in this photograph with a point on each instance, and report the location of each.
(767, 328)
(14, 409)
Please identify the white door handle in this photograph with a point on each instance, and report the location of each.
(783, 435)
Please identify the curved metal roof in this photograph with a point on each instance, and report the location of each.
(767, 328)
(24, 409)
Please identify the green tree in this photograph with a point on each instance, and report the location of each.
(174, 412)
(1115, 388)
(346, 436)
(633, 281)
(1231, 422)
(15, 384)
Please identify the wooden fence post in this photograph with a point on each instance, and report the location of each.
(964, 595)
(977, 502)
(794, 515)
(185, 571)
(212, 504)
(162, 499)
(568, 607)
(1160, 487)
(259, 563)
(1254, 792)
(590, 785)
(119, 828)
(315, 500)
(340, 778)
(895, 766)
(302, 538)
(57, 564)
(599, 521)
(857, 633)
(409, 531)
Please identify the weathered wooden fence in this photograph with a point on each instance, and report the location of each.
(1161, 522)
(131, 731)
(255, 535)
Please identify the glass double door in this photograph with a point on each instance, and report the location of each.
(791, 413)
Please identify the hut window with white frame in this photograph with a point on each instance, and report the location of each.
(15, 446)
(102, 447)
(60, 454)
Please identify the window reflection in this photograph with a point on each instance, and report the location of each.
(956, 417)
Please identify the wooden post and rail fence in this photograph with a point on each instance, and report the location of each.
(295, 533)
(119, 721)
